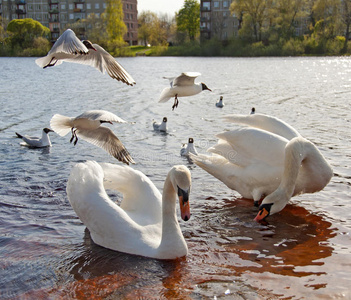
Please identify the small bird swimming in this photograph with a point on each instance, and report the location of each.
(220, 102)
(160, 126)
(87, 126)
(253, 110)
(182, 86)
(189, 148)
(70, 49)
(36, 142)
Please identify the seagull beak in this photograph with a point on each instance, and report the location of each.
(184, 204)
(262, 214)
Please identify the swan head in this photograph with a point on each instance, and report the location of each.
(204, 87)
(181, 181)
(272, 204)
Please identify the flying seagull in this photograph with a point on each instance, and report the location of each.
(87, 126)
(182, 86)
(70, 49)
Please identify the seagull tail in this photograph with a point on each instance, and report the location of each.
(61, 124)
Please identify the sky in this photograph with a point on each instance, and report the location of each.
(160, 6)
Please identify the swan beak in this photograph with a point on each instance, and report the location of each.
(262, 214)
(184, 204)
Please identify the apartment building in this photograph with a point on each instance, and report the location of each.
(57, 15)
(216, 20)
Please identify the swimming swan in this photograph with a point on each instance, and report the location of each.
(269, 160)
(145, 223)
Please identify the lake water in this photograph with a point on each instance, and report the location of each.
(303, 253)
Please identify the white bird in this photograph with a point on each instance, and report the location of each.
(269, 160)
(145, 223)
(87, 126)
(182, 86)
(220, 102)
(36, 142)
(160, 126)
(70, 49)
(188, 148)
(253, 110)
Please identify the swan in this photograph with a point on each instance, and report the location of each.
(189, 148)
(160, 126)
(87, 126)
(36, 142)
(220, 102)
(182, 86)
(145, 223)
(70, 49)
(268, 159)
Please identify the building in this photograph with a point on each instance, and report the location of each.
(216, 20)
(57, 15)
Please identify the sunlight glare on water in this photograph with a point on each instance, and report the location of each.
(301, 253)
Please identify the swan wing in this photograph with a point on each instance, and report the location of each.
(101, 115)
(251, 146)
(110, 226)
(104, 62)
(140, 195)
(186, 79)
(265, 122)
(104, 138)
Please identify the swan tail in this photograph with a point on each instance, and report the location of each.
(61, 124)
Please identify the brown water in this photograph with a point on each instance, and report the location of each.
(302, 253)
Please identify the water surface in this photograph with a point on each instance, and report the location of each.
(46, 252)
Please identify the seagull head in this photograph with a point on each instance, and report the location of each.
(204, 87)
(88, 44)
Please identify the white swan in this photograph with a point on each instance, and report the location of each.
(145, 223)
(36, 142)
(188, 148)
(160, 126)
(70, 49)
(271, 161)
(87, 126)
(182, 86)
(220, 103)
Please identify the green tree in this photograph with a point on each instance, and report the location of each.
(115, 27)
(346, 20)
(258, 14)
(27, 33)
(188, 18)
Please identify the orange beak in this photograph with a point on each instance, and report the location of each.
(184, 204)
(261, 215)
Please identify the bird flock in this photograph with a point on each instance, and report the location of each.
(266, 160)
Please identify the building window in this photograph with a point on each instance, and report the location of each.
(63, 6)
(216, 4)
(104, 5)
(71, 16)
(225, 3)
(71, 6)
(88, 6)
(97, 5)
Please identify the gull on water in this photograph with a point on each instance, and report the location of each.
(36, 142)
(160, 126)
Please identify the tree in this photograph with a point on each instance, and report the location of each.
(115, 27)
(257, 13)
(188, 18)
(23, 32)
(346, 19)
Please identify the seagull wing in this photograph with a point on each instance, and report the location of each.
(104, 62)
(104, 138)
(101, 115)
(69, 43)
(185, 79)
